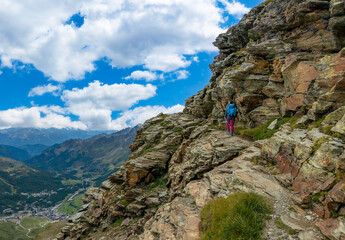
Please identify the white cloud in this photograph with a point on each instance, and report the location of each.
(115, 97)
(182, 74)
(41, 90)
(141, 114)
(167, 62)
(158, 34)
(143, 75)
(235, 8)
(95, 103)
(6, 61)
(40, 117)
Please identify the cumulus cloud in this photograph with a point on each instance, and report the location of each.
(95, 103)
(196, 59)
(40, 117)
(54, 117)
(182, 74)
(6, 61)
(143, 75)
(41, 90)
(235, 8)
(115, 97)
(141, 114)
(158, 34)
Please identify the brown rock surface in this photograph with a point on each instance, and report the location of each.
(284, 58)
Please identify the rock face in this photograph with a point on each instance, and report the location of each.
(285, 58)
(286, 52)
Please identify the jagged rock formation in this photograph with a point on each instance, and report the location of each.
(284, 58)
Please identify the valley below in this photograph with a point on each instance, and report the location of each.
(48, 188)
(33, 220)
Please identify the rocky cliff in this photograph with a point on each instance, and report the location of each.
(284, 59)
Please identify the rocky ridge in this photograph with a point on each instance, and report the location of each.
(284, 58)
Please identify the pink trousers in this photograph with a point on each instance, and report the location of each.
(230, 125)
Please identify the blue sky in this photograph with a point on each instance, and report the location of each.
(105, 64)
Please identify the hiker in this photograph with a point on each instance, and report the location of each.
(230, 115)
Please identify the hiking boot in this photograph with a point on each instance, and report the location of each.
(232, 133)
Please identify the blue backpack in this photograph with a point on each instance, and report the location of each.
(231, 111)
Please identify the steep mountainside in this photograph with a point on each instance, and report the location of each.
(21, 186)
(284, 60)
(34, 149)
(24, 136)
(14, 153)
(93, 158)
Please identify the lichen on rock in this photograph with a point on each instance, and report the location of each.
(284, 58)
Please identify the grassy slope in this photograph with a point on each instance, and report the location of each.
(9, 230)
(72, 207)
(12, 231)
(52, 230)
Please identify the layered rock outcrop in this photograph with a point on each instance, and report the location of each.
(285, 58)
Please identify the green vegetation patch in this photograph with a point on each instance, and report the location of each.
(72, 207)
(71, 182)
(118, 222)
(316, 124)
(262, 131)
(10, 230)
(317, 144)
(240, 216)
(32, 222)
(49, 231)
(279, 223)
(173, 148)
(29, 228)
(159, 182)
(267, 2)
(178, 129)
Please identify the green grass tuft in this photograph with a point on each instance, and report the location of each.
(279, 223)
(173, 148)
(118, 222)
(262, 131)
(240, 216)
(158, 183)
(178, 129)
(317, 144)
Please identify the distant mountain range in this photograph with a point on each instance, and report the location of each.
(22, 153)
(36, 175)
(21, 186)
(34, 149)
(93, 159)
(14, 153)
(31, 136)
